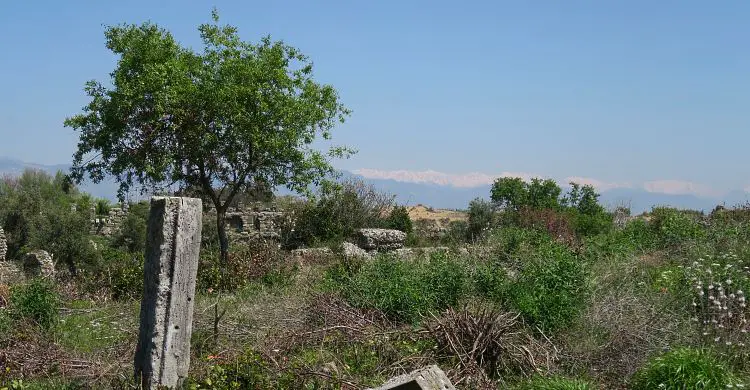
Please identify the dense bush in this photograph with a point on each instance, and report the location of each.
(684, 368)
(65, 234)
(550, 288)
(481, 219)
(132, 233)
(336, 213)
(673, 226)
(39, 211)
(399, 219)
(402, 289)
(36, 301)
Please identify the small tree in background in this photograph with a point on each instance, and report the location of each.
(481, 218)
(220, 121)
(399, 219)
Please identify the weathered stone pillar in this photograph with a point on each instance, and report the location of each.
(162, 357)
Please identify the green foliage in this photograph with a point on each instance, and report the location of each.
(37, 211)
(102, 207)
(399, 219)
(235, 115)
(550, 289)
(338, 211)
(481, 219)
(684, 368)
(509, 192)
(124, 274)
(209, 233)
(65, 234)
(132, 233)
(36, 301)
(404, 290)
(580, 205)
(555, 383)
(673, 227)
(249, 371)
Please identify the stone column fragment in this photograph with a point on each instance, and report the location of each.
(162, 357)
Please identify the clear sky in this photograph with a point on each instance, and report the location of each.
(623, 92)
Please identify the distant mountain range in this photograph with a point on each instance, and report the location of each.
(443, 196)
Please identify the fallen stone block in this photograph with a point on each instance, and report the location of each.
(427, 378)
(351, 251)
(380, 239)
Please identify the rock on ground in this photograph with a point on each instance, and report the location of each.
(352, 251)
(380, 239)
(426, 378)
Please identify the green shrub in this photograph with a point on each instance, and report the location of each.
(399, 219)
(132, 233)
(402, 289)
(673, 227)
(684, 368)
(336, 213)
(481, 219)
(551, 287)
(36, 301)
(555, 383)
(124, 273)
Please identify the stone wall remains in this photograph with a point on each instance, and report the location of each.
(3, 245)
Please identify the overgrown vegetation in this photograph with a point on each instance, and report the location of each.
(539, 290)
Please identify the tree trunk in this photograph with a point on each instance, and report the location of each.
(223, 240)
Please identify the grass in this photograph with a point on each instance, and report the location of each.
(86, 327)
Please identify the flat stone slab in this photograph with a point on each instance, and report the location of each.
(427, 378)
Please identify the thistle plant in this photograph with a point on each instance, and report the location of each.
(718, 285)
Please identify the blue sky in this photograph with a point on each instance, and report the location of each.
(653, 95)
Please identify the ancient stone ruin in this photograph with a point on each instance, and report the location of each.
(380, 240)
(254, 223)
(427, 378)
(3, 245)
(109, 224)
(38, 263)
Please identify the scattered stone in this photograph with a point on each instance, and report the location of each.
(352, 251)
(427, 378)
(162, 357)
(38, 263)
(3, 245)
(380, 239)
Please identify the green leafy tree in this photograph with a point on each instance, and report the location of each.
(399, 219)
(221, 120)
(509, 192)
(543, 194)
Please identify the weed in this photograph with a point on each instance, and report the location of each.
(36, 301)
(685, 368)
